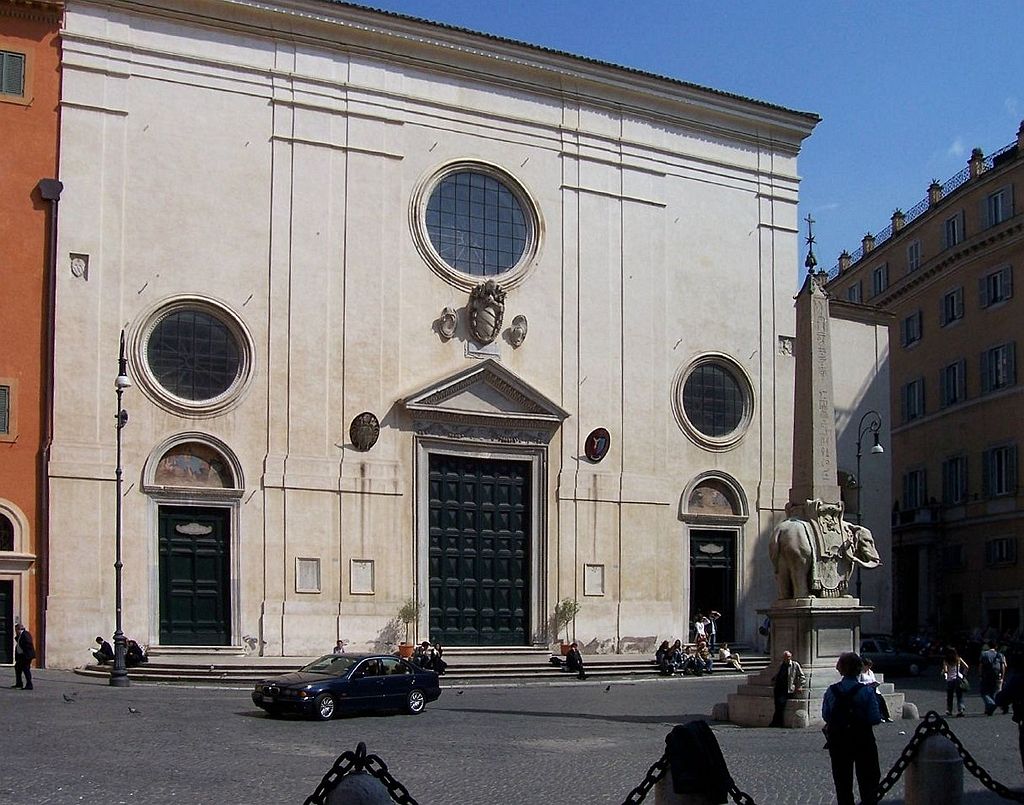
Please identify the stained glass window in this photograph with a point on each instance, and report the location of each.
(713, 400)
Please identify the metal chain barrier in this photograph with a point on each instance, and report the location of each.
(352, 762)
(934, 724)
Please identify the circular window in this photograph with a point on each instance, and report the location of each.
(472, 221)
(195, 357)
(713, 402)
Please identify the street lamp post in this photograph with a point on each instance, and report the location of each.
(119, 671)
(871, 423)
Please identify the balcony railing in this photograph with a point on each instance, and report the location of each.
(951, 185)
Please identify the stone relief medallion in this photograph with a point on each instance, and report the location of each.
(486, 311)
(364, 431)
(597, 444)
(447, 323)
(517, 333)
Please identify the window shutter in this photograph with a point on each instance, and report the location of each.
(904, 394)
(943, 321)
(958, 302)
(986, 472)
(947, 482)
(1007, 281)
(961, 380)
(1011, 363)
(1011, 468)
(943, 391)
(983, 291)
(5, 409)
(986, 219)
(903, 332)
(12, 72)
(920, 324)
(986, 385)
(962, 232)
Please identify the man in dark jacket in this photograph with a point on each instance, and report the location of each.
(1012, 695)
(24, 653)
(104, 653)
(850, 711)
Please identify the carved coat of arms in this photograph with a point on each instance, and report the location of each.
(486, 311)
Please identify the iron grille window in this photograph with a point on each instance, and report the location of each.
(1001, 551)
(477, 224)
(12, 73)
(998, 367)
(952, 383)
(954, 480)
(193, 355)
(952, 306)
(5, 409)
(713, 400)
(996, 287)
(999, 468)
(6, 534)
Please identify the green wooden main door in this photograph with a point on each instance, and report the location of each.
(479, 552)
(195, 578)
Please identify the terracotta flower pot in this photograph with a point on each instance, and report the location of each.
(405, 650)
(565, 648)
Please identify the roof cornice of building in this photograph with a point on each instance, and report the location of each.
(861, 313)
(595, 81)
(47, 10)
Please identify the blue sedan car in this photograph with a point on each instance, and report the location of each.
(348, 682)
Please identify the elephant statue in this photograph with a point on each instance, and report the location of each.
(800, 567)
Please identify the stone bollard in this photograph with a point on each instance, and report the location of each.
(936, 774)
(664, 794)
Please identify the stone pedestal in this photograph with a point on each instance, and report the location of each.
(816, 631)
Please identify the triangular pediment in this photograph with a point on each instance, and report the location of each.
(485, 392)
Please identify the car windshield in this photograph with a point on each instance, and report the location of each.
(331, 665)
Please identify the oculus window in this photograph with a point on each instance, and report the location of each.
(195, 357)
(472, 221)
(714, 402)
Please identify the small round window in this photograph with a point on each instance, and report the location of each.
(473, 221)
(713, 402)
(194, 357)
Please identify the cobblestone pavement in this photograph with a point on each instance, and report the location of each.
(515, 744)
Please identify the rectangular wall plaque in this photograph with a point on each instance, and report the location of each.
(307, 575)
(593, 579)
(361, 576)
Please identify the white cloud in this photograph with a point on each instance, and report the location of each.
(956, 149)
(1012, 108)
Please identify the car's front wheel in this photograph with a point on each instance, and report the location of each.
(415, 701)
(323, 707)
(914, 669)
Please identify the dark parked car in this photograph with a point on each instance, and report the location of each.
(886, 658)
(348, 682)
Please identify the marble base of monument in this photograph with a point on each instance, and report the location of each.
(815, 631)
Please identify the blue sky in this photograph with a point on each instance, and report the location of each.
(905, 89)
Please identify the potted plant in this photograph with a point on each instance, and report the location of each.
(408, 614)
(565, 611)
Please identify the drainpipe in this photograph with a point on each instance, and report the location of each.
(49, 190)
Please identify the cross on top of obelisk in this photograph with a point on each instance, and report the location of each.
(811, 262)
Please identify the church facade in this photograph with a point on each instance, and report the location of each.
(411, 313)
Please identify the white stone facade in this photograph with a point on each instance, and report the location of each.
(269, 163)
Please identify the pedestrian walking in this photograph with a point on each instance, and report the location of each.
(992, 669)
(1012, 695)
(850, 711)
(788, 679)
(24, 653)
(954, 672)
(574, 661)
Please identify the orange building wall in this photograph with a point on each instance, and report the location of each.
(29, 134)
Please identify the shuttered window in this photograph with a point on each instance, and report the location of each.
(999, 471)
(12, 73)
(998, 367)
(5, 410)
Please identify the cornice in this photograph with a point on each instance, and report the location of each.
(48, 11)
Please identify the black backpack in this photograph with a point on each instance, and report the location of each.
(843, 715)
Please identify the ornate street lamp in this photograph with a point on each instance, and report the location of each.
(119, 671)
(871, 423)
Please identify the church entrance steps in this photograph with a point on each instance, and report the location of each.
(464, 667)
